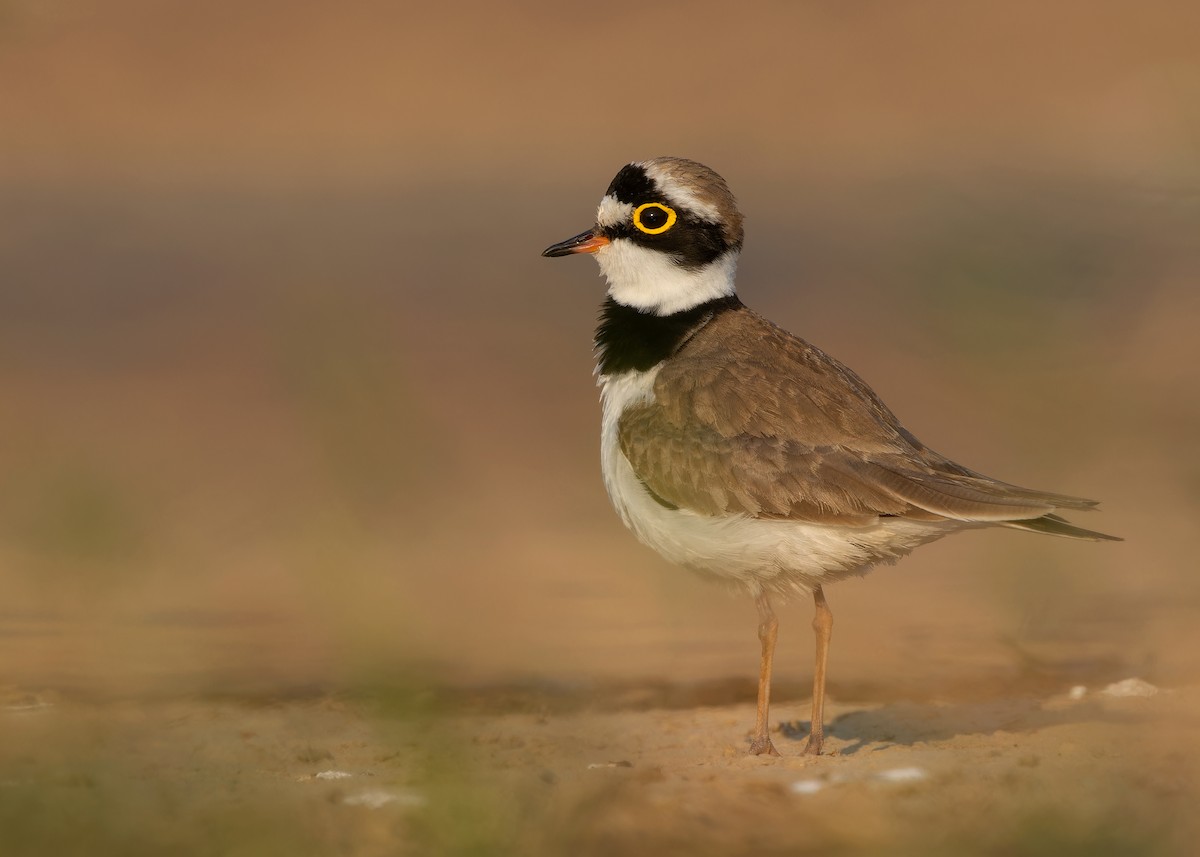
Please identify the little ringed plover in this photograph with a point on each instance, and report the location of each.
(742, 452)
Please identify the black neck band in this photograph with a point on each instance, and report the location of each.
(629, 339)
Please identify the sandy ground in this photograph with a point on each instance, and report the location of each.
(537, 773)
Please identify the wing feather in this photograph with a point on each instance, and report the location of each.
(748, 419)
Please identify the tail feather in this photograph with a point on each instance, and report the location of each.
(1055, 526)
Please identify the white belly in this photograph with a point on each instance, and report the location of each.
(761, 554)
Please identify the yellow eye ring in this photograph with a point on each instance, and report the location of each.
(656, 206)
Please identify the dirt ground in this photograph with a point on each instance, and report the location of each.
(1083, 772)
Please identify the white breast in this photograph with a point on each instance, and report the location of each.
(760, 554)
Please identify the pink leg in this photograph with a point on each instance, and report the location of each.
(823, 626)
(768, 630)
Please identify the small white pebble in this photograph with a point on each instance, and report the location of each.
(807, 787)
(334, 775)
(1130, 687)
(1077, 692)
(379, 798)
(902, 775)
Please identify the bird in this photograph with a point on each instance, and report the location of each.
(741, 451)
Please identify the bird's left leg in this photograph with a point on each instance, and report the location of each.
(823, 628)
(768, 630)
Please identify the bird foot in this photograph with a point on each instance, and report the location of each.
(762, 746)
(813, 747)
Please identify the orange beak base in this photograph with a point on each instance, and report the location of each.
(585, 242)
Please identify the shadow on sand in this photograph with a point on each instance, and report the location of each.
(910, 723)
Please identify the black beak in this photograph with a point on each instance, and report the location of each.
(584, 242)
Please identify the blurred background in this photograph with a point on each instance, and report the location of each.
(289, 401)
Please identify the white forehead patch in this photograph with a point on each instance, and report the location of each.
(612, 212)
(681, 196)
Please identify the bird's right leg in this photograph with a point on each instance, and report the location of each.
(768, 630)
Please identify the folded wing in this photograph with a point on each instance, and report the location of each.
(805, 439)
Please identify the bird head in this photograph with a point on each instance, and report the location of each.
(667, 236)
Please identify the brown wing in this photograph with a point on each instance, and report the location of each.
(750, 419)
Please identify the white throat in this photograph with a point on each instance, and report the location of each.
(650, 281)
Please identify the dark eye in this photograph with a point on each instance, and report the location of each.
(653, 218)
